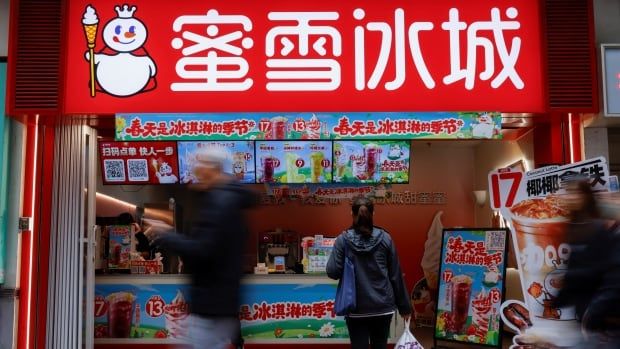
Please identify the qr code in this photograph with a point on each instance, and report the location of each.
(138, 170)
(114, 170)
(496, 240)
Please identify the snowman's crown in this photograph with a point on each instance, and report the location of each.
(125, 11)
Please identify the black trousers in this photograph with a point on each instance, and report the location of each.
(374, 329)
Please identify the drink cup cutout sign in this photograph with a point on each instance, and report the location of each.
(531, 203)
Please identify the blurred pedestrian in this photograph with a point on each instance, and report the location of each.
(380, 288)
(592, 281)
(212, 250)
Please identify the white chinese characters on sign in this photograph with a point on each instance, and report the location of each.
(384, 53)
(206, 54)
(302, 51)
(303, 74)
(508, 59)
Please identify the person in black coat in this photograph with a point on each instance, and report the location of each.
(592, 281)
(212, 250)
(380, 288)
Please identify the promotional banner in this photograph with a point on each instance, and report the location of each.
(294, 162)
(139, 162)
(240, 163)
(531, 204)
(141, 311)
(371, 161)
(471, 286)
(305, 126)
(222, 55)
(286, 311)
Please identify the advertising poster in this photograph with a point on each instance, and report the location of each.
(531, 204)
(240, 159)
(307, 126)
(371, 161)
(139, 162)
(471, 286)
(141, 311)
(120, 246)
(294, 162)
(289, 311)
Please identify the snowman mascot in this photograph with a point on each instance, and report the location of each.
(123, 67)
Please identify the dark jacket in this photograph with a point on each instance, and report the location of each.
(380, 287)
(593, 276)
(212, 249)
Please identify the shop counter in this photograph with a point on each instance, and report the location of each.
(275, 309)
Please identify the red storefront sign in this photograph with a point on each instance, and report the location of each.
(139, 162)
(196, 56)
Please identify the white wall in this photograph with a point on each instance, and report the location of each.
(491, 155)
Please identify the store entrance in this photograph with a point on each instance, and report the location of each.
(71, 272)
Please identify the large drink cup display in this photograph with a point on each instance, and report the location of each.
(120, 314)
(539, 226)
(460, 298)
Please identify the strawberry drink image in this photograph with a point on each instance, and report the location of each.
(279, 127)
(460, 297)
(120, 314)
(371, 152)
(177, 316)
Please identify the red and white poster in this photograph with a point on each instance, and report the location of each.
(354, 55)
(139, 162)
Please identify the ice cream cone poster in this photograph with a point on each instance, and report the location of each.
(294, 162)
(121, 67)
(471, 286)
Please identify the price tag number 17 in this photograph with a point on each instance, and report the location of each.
(504, 188)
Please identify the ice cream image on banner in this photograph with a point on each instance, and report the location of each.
(123, 67)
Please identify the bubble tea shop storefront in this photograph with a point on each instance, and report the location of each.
(315, 103)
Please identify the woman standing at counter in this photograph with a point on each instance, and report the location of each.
(379, 284)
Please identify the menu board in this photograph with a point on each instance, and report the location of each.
(240, 162)
(471, 286)
(139, 162)
(371, 161)
(294, 162)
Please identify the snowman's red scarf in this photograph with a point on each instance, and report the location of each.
(139, 52)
